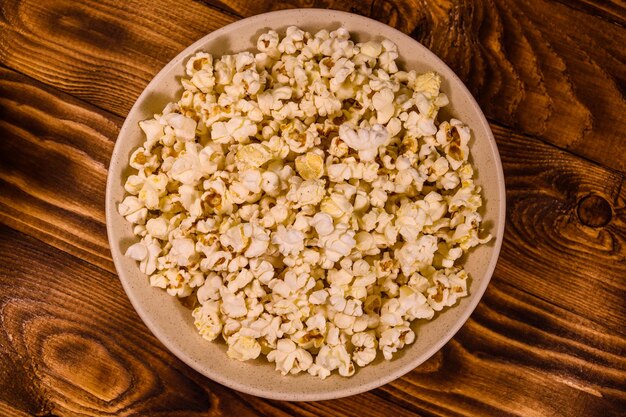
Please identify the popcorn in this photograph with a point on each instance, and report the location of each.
(253, 155)
(216, 261)
(410, 220)
(209, 291)
(243, 278)
(146, 252)
(292, 41)
(184, 127)
(289, 358)
(413, 255)
(330, 358)
(309, 199)
(238, 129)
(208, 320)
(383, 103)
(259, 240)
(233, 305)
(318, 297)
(336, 205)
(289, 240)
(338, 243)
(310, 166)
(395, 338)
(308, 192)
(154, 131)
(235, 238)
(183, 251)
(372, 49)
(243, 348)
(133, 210)
(273, 99)
(364, 348)
(365, 141)
(428, 84)
(323, 224)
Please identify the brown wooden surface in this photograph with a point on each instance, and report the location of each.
(548, 338)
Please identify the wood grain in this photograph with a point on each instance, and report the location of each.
(563, 179)
(548, 336)
(104, 52)
(549, 250)
(521, 69)
(613, 11)
(546, 189)
(85, 353)
(54, 157)
(8, 410)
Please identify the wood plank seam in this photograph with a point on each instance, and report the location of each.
(412, 407)
(502, 281)
(210, 4)
(250, 403)
(598, 12)
(92, 268)
(533, 329)
(474, 35)
(525, 135)
(220, 8)
(114, 118)
(3, 220)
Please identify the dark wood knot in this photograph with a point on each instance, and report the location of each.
(594, 211)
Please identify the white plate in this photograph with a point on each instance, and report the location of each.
(172, 324)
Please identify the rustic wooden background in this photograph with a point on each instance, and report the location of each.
(548, 339)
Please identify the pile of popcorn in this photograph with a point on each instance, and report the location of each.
(308, 197)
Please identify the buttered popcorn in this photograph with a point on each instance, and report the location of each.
(309, 199)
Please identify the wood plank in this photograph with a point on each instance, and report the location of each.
(53, 163)
(57, 311)
(562, 82)
(104, 52)
(564, 240)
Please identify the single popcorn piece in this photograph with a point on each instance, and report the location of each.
(310, 166)
(290, 241)
(243, 348)
(364, 347)
(208, 320)
(365, 141)
(383, 103)
(289, 358)
(309, 197)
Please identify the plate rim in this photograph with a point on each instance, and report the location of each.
(477, 293)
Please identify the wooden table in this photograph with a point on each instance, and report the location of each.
(548, 338)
